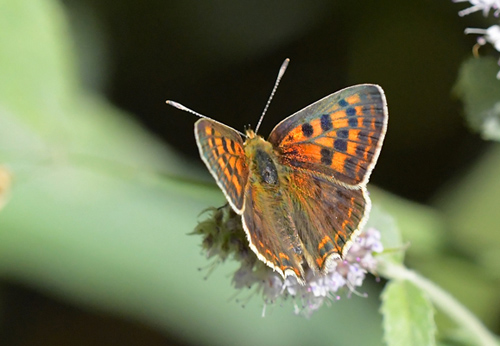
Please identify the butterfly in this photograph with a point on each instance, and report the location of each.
(302, 192)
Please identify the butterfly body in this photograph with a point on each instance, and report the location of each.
(267, 190)
(302, 193)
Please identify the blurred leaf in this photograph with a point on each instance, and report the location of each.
(5, 182)
(441, 299)
(468, 283)
(408, 315)
(471, 206)
(421, 227)
(46, 117)
(479, 90)
(389, 232)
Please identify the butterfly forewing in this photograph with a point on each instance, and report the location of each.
(338, 136)
(221, 148)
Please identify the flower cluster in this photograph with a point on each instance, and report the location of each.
(490, 35)
(224, 236)
(481, 5)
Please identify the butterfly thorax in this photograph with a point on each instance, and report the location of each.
(261, 159)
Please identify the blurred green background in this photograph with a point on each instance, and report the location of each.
(106, 182)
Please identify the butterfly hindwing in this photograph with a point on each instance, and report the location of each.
(301, 219)
(339, 136)
(328, 217)
(270, 229)
(221, 148)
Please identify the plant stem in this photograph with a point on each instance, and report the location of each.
(442, 299)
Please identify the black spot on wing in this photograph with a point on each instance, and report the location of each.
(326, 156)
(340, 145)
(214, 147)
(307, 130)
(326, 122)
(295, 163)
(344, 134)
(224, 145)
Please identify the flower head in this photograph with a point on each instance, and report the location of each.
(490, 35)
(224, 236)
(481, 5)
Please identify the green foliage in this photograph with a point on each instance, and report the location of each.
(409, 225)
(480, 92)
(408, 315)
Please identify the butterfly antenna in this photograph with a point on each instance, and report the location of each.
(185, 109)
(280, 75)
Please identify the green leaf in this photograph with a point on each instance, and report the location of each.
(47, 117)
(408, 315)
(479, 90)
(389, 233)
(422, 228)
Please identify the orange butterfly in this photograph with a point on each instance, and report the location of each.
(302, 193)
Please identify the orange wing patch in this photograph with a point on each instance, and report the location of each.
(353, 99)
(221, 148)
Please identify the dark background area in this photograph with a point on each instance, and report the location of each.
(220, 58)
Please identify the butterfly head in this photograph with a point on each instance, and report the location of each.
(254, 141)
(249, 133)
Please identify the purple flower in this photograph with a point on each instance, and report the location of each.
(224, 236)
